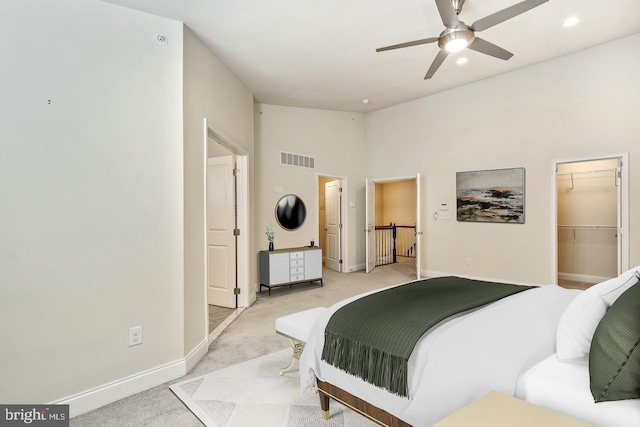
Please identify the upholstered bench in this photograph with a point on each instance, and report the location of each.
(296, 327)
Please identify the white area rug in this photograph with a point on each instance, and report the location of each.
(254, 394)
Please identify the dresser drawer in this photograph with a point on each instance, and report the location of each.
(297, 277)
(296, 262)
(297, 270)
(296, 255)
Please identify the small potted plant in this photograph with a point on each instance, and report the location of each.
(270, 235)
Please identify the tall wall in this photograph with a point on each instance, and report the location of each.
(91, 183)
(101, 168)
(580, 105)
(337, 142)
(211, 92)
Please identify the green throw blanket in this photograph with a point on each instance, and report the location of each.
(373, 337)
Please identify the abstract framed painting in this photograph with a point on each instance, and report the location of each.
(495, 195)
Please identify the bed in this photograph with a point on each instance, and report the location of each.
(564, 387)
(592, 357)
(454, 362)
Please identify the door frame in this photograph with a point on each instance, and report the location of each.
(623, 261)
(344, 241)
(370, 224)
(417, 178)
(246, 297)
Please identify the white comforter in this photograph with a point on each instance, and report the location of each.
(459, 359)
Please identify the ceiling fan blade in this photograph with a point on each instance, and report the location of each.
(448, 13)
(504, 14)
(408, 44)
(483, 46)
(436, 63)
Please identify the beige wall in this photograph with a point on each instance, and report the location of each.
(337, 142)
(106, 212)
(92, 191)
(580, 105)
(211, 91)
(379, 205)
(398, 203)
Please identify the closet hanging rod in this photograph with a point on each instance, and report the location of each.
(586, 172)
(614, 170)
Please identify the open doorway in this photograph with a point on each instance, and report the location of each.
(226, 231)
(393, 224)
(221, 240)
(332, 221)
(591, 220)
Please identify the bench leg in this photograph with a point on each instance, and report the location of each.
(298, 347)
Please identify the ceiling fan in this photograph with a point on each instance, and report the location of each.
(459, 35)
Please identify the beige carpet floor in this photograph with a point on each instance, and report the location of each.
(249, 336)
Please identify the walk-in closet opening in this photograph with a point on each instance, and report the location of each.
(589, 218)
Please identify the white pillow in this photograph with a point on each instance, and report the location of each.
(581, 317)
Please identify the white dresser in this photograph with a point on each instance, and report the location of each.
(290, 266)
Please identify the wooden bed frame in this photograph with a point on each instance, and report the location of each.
(375, 414)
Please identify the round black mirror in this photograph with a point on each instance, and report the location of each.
(290, 212)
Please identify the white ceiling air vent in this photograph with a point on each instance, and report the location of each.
(299, 160)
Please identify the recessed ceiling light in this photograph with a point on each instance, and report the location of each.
(462, 61)
(365, 101)
(571, 21)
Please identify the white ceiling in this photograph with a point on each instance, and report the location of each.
(321, 54)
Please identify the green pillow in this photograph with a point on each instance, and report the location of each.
(614, 358)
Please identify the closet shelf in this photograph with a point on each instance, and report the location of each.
(588, 172)
(571, 174)
(590, 227)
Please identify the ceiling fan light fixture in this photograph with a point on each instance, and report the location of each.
(456, 45)
(458, 36)
(457, 39)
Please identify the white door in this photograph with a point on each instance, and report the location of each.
(418, 227)
(333, 223)
(370, 221)
(221, 222)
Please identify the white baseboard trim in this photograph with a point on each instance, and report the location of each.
(195, 355)
(356, 267)
(585, 278)
(252, 298)
(109, 393)
(116, 390)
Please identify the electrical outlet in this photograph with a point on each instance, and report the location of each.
(135, 336)
(468, 261)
